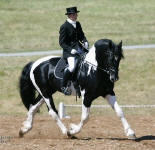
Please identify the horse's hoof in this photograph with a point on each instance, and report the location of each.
(132, 137)
(71, 136)
(68, 134)
(21, 134)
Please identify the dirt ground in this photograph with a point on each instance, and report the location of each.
(100, 133)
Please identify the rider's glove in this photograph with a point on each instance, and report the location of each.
(73, 51)
(86, 45)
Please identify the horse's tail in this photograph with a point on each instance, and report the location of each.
(26, 88)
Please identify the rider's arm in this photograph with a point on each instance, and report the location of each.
(63, 39)
(82, 37)
(81, 34)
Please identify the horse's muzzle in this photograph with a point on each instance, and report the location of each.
(113, 76)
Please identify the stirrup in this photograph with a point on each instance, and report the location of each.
(65, 91)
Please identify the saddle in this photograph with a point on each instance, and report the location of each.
(62, 64)
(59, 69)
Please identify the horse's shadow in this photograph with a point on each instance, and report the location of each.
(139, 139)
(147, 137)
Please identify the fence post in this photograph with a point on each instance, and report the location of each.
(62, 111)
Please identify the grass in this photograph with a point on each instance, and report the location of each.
(27, 25)
(136, 84)
(34, 25)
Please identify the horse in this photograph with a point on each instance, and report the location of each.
(96, 74)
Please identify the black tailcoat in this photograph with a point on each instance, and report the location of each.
(69, 38)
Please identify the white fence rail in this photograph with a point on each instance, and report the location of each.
(62, 108)
(51, 52)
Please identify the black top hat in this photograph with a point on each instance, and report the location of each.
(71, 10)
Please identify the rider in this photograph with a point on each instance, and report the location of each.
(71, 36)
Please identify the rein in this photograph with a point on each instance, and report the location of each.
(107, 71)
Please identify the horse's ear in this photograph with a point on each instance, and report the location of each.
(110, 44)
(120, 44)
(120, 48)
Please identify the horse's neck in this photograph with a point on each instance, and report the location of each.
(90, 61)
(91, 56)
(88, 68)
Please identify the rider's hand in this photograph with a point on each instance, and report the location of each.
(86, 45)
(73, 51)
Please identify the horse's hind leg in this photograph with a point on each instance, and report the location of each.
(27, 125)
(128, 131)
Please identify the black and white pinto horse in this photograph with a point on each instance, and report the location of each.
(96, 76)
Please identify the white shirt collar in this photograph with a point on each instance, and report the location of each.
(72, 22)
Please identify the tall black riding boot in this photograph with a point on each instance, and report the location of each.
(66, 77)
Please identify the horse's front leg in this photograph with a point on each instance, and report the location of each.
(128, 131)
(74, 129)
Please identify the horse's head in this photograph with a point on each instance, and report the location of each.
(108, 56)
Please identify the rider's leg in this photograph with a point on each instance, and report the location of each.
(71, 63)
(67, 74)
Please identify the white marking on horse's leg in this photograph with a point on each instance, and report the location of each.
(27, 125)
(84, 118)
(112, 101)
(56, 117)
(74, 129)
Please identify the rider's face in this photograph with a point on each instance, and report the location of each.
(73, 17)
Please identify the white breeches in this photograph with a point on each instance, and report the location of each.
(71, 63)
